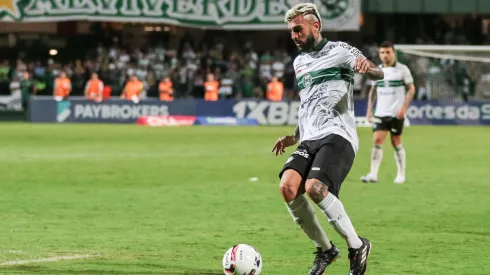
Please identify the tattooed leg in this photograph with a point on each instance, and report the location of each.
(334, 210)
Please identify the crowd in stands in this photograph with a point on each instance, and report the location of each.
(208, 72)
(158, 72)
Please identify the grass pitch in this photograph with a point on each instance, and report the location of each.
(172, 200)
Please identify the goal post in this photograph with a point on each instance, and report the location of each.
(448, 72)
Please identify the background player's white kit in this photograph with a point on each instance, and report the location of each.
(391, 90)
(393, 95)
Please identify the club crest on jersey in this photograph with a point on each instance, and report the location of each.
(307, 80)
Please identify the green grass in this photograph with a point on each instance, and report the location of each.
(172, 200)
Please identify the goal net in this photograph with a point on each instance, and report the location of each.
(447, 72)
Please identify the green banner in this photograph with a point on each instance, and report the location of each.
(337, 15)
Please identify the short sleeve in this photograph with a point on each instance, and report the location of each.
(348, 54)
(407, 76)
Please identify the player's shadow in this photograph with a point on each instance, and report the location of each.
(159, 269)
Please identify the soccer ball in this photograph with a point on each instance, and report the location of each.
(242, 259)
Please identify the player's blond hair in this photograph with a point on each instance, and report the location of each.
(307, 10)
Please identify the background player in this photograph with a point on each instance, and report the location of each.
(391, 105)
(327, 131)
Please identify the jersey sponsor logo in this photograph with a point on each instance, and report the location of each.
(302, 153)
(386, 93)
(315, 169)
(311, 98)
(353, 50)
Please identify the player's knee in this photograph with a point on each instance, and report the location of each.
(396, 141)
(288, 191)
(290, 188)
(379, 138)
(316, 190)
(378, 141)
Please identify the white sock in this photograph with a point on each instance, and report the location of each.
(304, 215)
(376, 157)
(401, 160)
(334, 210)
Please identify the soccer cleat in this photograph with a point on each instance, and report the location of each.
(368, 178)
(358, 258)
(399, 180)
(324, 259)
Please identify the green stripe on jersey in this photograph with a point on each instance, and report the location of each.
(391, 83)
(319, 76)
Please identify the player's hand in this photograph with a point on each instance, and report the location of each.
(282, 143)
(369, 117)
(361, 65)
(401, 113)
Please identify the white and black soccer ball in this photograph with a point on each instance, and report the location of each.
(242, 259)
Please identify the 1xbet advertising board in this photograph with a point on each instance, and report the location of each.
(78, 110)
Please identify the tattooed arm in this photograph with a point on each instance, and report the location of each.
(353, 58)
(368, 68)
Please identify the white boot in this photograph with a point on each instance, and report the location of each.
(369, 179)
(399, 179)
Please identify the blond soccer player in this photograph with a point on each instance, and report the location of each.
(327, 134)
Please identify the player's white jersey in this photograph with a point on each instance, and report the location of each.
(391, 90)
(325, 79)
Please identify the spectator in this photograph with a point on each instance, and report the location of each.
(247, 87)
(166, 90)
(94, 88)
(4, 77)
(132, 90)
(226, 88)
(275, 90)
(278, 67)
(39, 70)
(20, 68)
(211, 89)
(15, 85)
(27, 88)
(62, 87)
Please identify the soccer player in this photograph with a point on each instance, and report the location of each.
(327, 133)
(391, 106)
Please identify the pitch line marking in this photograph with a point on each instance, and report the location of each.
(46, 260)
